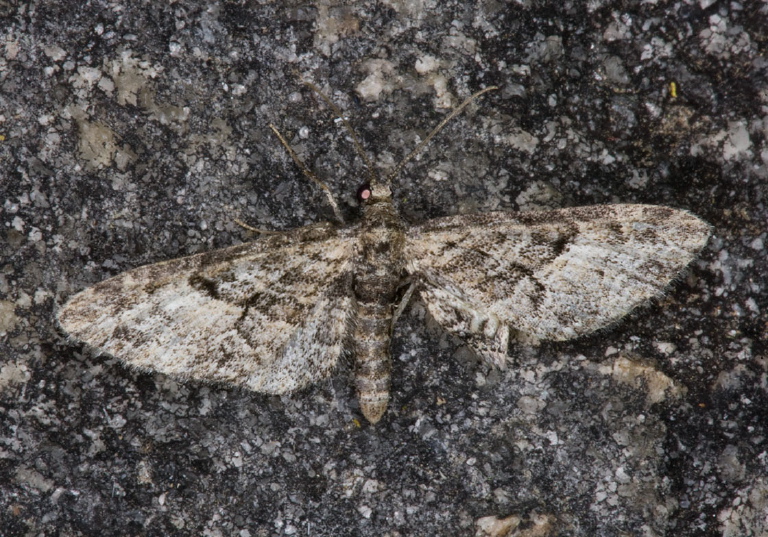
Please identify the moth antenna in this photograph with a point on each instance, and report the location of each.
(309, 173)
(437, 129)
(372, 178)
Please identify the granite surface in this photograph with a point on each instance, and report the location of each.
(135, 132)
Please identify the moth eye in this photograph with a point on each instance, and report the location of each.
(364, 192)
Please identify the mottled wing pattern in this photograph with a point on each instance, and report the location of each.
(552, 275)
(272, 315)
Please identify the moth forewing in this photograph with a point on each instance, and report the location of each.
(553, 275)
(272, 315)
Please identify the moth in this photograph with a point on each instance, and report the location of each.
(276, 314)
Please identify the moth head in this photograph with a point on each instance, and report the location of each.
(369, 193)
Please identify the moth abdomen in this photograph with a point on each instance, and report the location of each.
(373, 360)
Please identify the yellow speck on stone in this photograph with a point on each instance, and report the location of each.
(673, 90)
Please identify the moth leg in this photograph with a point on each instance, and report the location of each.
(255, 229)
(403, 303)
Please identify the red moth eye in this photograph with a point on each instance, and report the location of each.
(364, 192)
